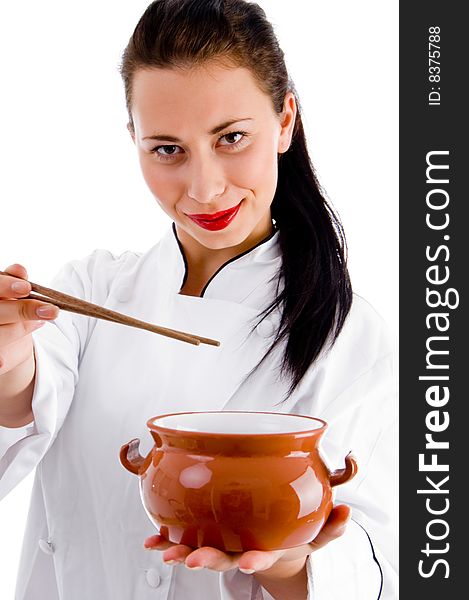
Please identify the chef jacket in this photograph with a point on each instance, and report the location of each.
(97, 383)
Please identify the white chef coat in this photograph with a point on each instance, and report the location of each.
(97, 383)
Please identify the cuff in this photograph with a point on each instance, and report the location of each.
(21, 449)
(9, 436)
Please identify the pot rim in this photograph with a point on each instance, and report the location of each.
(158, 428)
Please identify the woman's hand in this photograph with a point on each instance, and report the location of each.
(18, 318)
(273, 569)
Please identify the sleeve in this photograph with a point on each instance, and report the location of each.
(355, 393)
(58, 347)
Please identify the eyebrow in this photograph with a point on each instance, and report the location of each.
(217, 129)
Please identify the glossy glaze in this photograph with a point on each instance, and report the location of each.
(233, 491)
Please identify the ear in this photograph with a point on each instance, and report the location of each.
(131, 131)
(287, 122)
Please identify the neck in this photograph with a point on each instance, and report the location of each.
(203, 263)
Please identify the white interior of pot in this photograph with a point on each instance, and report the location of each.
(238, 422)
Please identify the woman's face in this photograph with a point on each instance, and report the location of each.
(208, 140)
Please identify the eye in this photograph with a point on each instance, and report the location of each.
(234, 138)
(167, 151)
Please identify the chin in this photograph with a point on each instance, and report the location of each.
(220, 240)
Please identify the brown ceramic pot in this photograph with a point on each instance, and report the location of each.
(236, 481)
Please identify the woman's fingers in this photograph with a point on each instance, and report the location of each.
(334, 527)
(177, 553)
(252, 560)
(14, 311)
(17, 270)
(12, 287)
(157, 542)
(19, 318)
(256, 560)
(211, 558)
(217, 560)
(205, 557)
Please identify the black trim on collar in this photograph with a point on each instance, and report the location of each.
(181, 249)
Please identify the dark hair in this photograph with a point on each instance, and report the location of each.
(316, 295)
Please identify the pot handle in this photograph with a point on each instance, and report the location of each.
(340, 476)
(131, 458)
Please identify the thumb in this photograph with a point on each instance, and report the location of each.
(334, 527)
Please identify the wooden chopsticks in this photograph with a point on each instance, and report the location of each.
(81, 307)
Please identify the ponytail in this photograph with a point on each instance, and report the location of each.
(316, 295)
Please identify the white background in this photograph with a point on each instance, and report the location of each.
(70, 179)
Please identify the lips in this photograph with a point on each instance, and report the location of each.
(216, 221)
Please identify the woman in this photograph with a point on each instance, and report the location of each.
(255, 259)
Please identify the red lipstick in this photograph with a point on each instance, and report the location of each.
(216, 221)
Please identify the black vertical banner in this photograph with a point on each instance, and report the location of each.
(433, 292)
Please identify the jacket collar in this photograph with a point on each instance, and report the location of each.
(242, 277)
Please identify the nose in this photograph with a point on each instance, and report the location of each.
(206, 179)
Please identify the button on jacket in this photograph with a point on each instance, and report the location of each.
(97, 383)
